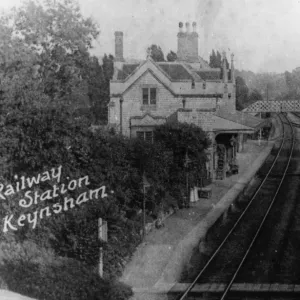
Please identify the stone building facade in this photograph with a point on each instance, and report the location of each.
(146, 94)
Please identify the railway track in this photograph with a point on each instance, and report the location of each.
(227, 261)
(287, 268)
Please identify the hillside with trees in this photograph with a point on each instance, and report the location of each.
(273, 86)
(251, 87)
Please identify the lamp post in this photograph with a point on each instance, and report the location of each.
(145, 185)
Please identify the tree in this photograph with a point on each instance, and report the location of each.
(183, 139)
(254, 96)
(156, 53)
(45, 57)
(99, 87)
(44, 76)
(213, 60)
(172, 56)
(216, 61)
(241, 93)
(58, 38)
(291, 83)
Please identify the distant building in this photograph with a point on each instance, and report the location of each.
(146, 94)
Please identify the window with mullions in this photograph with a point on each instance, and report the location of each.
(147, 136)
(149, 96)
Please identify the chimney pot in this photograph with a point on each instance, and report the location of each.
(194, 26)
(187, 25)
(180, 26)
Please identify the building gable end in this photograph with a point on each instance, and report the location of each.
(148, 71)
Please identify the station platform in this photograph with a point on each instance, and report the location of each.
(159, 261)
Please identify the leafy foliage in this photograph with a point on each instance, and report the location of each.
(47, 76)
(60, 37)
(241, 92)
(38, 273)
(245, 97)
(292, 80)
(183, 140)
(156, 53)
(172, 56)
(215, 60)
(45, 58)
(112, 160)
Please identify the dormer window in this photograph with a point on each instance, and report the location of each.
(149, 96)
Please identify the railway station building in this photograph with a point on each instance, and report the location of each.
(148, 93)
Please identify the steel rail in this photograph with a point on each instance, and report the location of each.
(263, 221)
(183, 296)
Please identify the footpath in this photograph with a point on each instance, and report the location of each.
(158, 262)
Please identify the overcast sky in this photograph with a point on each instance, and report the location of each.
(264, 35)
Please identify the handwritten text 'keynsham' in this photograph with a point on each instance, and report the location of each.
(32, 197)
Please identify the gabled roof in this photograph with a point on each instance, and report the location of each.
(165, 73)
(213, 74)
(154, 75)
(175, 71)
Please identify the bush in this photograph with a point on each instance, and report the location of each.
(37, 273)
(50, 137)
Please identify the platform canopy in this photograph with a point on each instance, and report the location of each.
(238, 121)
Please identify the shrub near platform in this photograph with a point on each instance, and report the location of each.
(49, 277)
(112, 160)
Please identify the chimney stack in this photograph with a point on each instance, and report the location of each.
(232, 69)
(187, 45)
(119, 46)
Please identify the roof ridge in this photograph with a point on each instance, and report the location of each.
(192, 72)
(209, 70)
(168, 62)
